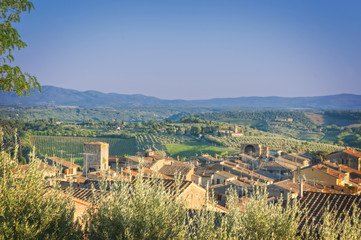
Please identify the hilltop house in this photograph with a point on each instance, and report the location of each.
(348, 157)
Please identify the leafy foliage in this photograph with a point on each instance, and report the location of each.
(28, 208)
(12, 78)
(142, 209)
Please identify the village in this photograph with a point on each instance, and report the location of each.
(316, 183)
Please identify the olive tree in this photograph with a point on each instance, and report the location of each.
(29, 209)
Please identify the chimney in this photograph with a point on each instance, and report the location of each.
(301, 189)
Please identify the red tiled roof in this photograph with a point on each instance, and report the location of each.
(352, 152)
(349, 169)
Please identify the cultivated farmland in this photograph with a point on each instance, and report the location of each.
(157, 142)
(191, 149)
(274, 142)
(51, 145)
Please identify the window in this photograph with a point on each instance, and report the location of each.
(218, 181)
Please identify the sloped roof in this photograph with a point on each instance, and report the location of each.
(204, 172)
(97, 143)
(273, 166)
(251, 174)
(352, 152)
(316, 202)
(86, 193)
(225, 174)
(63, 162)
(147, 173)
(171, 170)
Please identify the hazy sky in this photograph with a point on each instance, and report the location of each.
(194, 49)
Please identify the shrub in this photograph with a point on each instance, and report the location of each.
(142, 209)
(28, 208)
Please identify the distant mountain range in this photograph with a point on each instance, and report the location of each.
(54, 96)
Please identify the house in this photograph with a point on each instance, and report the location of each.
(222, 177)
(250, 176)
(323, 174)
(348, 157)
(67, 168)
(355, 175)
(220, 191)
(147, 172)
(136, 162)
(275, 169)
(235, 162)
(252, 161)
(203, 176)
(175, 167)
(289, 187)
(117, 163)
(294, 160)
(205, 159)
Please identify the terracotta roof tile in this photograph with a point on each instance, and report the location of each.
(316, 202)
(352, 152)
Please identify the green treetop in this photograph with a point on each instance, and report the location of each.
(12, 79)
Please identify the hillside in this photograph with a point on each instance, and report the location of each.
(54, 96)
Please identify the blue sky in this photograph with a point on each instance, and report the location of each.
(195, 49)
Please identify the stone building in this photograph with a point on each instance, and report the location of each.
(348, 157)
(67, 168)
(255, 150)
(96, 156)
(223, 177)
(323, 174)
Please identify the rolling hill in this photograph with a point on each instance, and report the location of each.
(55, 96)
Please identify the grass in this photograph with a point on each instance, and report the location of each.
(191, 149)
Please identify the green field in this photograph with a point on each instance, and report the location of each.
(191, 149)
(156, 142)
(52, 145)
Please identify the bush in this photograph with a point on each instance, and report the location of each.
(141, 210)
(28, 208)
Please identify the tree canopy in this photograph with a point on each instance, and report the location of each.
(12, 79)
